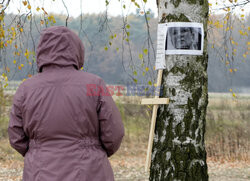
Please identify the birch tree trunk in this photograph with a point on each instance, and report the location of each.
(179, 150)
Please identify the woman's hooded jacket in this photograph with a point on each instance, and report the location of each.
(63, 120)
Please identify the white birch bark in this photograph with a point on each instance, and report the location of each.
(179, 151)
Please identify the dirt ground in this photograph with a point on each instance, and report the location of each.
(124, 170)
(128, 165)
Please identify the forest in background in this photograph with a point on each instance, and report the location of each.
(119, 61)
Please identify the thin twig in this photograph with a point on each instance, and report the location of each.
(66, 23)
(7, 4)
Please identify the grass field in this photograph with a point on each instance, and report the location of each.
(227, 140)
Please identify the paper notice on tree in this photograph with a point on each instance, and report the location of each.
(161, 41)
(184, 38)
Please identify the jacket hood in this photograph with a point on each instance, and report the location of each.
(59, 45)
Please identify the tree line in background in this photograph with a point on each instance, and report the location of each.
(122, 55)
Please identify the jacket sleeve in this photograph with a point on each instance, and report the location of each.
(18, 140)
(111, 126)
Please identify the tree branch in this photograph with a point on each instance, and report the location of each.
(233, 5)
(67, 13)
(7, 4)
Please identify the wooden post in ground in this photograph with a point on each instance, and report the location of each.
(155, 101)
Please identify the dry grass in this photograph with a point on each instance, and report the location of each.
(228, 129)
(227, 140)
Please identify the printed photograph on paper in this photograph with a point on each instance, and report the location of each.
(184, 38)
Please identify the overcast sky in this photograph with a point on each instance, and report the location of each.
(97, 6)
(88, 6)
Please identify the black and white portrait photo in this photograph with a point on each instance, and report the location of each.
(184, 38)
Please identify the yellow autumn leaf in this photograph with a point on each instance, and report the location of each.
(25, 3)
(235, 70)
(146, 69)
(231, 90)
(14, 61)
(140, 56)
(29, 7)
(244, 55)
(38, 9)
(45, 12)
(231, 70)
(22, 65)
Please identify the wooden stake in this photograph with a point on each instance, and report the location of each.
(155, 101)
(153, 120)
